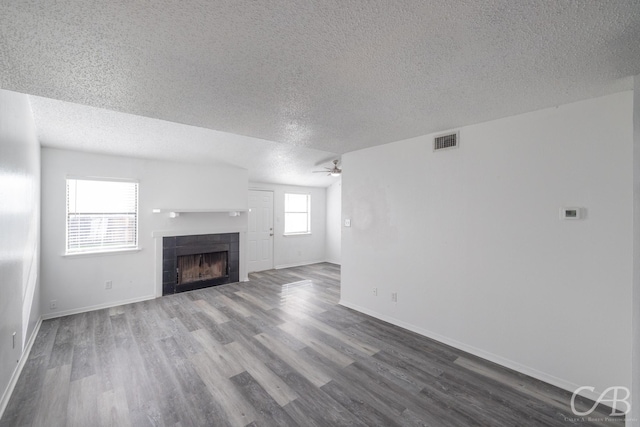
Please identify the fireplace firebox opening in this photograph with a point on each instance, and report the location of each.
(198, 267)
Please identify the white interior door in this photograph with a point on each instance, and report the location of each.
(260, 230)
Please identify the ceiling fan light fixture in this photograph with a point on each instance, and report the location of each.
(336, 173)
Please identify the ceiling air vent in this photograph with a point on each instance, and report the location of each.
(447, 141)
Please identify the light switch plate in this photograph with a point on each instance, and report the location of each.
(347, 223)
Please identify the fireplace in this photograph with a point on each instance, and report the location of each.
(199, 261)
(199, 267)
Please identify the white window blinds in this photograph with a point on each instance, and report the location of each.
(297, 217)
(101, 215)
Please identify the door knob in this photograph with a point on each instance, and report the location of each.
(271, 234)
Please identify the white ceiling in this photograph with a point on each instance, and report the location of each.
(312, 78)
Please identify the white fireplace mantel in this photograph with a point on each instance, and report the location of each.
(175, 212)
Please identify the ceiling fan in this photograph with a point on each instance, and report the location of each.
(334, 171)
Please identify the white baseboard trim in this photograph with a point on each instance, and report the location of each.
(527, 370)
(16, 373)
(95, 307)
(331, 261)
(299, 264)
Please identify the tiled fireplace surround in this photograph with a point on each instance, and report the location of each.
(174, 246)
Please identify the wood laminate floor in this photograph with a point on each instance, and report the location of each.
(275, 351)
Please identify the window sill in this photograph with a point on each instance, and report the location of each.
(296, 234)
(101, 253)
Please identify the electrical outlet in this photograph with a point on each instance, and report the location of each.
(108, 284)
(394, 297)
(53, 304)
(375, 291)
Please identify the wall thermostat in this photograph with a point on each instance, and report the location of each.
(571, 213)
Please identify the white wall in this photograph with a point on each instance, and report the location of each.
(334, 229)
(289, 251)
(19, 233)
(471, 240)
(77, 283)
(635, 393)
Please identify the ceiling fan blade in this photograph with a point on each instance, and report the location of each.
(331, 171)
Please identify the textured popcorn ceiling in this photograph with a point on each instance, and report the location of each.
(78, 127)
(330, 75)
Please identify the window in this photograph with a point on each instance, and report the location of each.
(297, 213)
(101, 215)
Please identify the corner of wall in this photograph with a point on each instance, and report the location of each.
(333, 239)
(20, 167)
